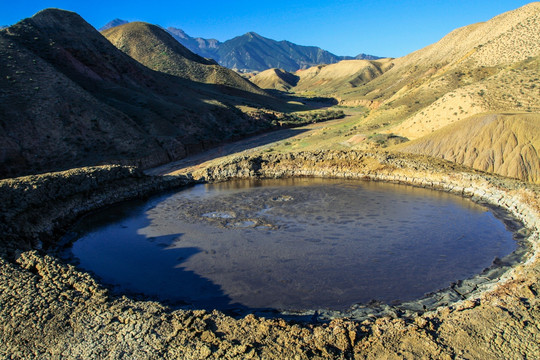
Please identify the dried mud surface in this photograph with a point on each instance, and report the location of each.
(48, 309)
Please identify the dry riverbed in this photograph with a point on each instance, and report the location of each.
(48, 309)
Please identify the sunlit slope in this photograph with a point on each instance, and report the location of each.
(439, 95)
(506, 144)
(332, 79)
(275, 79)
(514, 88)
(157, 49)
(463, 58)
(340, 76)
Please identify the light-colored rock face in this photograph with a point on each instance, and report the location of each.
(345, 74)
(275, 79)
(508, 144)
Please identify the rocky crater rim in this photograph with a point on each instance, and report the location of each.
(38, 209)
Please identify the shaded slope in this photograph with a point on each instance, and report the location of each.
(158, 50)
(70, 98)
(506, 144)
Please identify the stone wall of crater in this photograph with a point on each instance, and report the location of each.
(49, 309)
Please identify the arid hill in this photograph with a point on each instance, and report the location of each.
(464, 58)
(70, 98)
(505, 144)
(155, 48)
(330, 79)
(482, 69)
(275, 79)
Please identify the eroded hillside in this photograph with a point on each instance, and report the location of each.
(505, 144)
(485, 68)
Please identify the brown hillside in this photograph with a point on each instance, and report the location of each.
(155, 48)
(506, 144)
(345, 74)
(507, 38)
(276, 79)
(463, 58)
(333, 79)
(514, 88)
(70, 98)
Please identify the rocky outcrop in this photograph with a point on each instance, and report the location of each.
(51, 310)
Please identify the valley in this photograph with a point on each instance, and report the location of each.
(92, 119)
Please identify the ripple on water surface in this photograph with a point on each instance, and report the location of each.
(290, 244)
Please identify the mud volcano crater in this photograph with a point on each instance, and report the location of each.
(298, 246)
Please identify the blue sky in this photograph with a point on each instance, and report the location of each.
(385, 27)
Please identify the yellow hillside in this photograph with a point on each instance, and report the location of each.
(506, 144)
(276, 79)
(514, 88)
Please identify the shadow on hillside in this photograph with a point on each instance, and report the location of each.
(229, 148)
(317, 102)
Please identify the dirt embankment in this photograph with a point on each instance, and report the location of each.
(50, 310)
(36, 209)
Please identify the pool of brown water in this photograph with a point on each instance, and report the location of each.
(289, 244)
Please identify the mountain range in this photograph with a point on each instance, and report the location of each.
(112, 23)
(252, 52)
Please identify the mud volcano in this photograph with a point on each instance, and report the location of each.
(290, 244)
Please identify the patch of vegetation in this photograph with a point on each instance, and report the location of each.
(385, 140)
(298, 119)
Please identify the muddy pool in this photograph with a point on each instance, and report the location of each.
(289, 244)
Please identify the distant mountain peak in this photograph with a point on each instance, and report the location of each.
(254, 52)
(363, 56)
(113, 23)
(178, 32)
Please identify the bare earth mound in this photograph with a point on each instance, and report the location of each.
(344, 74)
(508, 145)
(275, 79)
